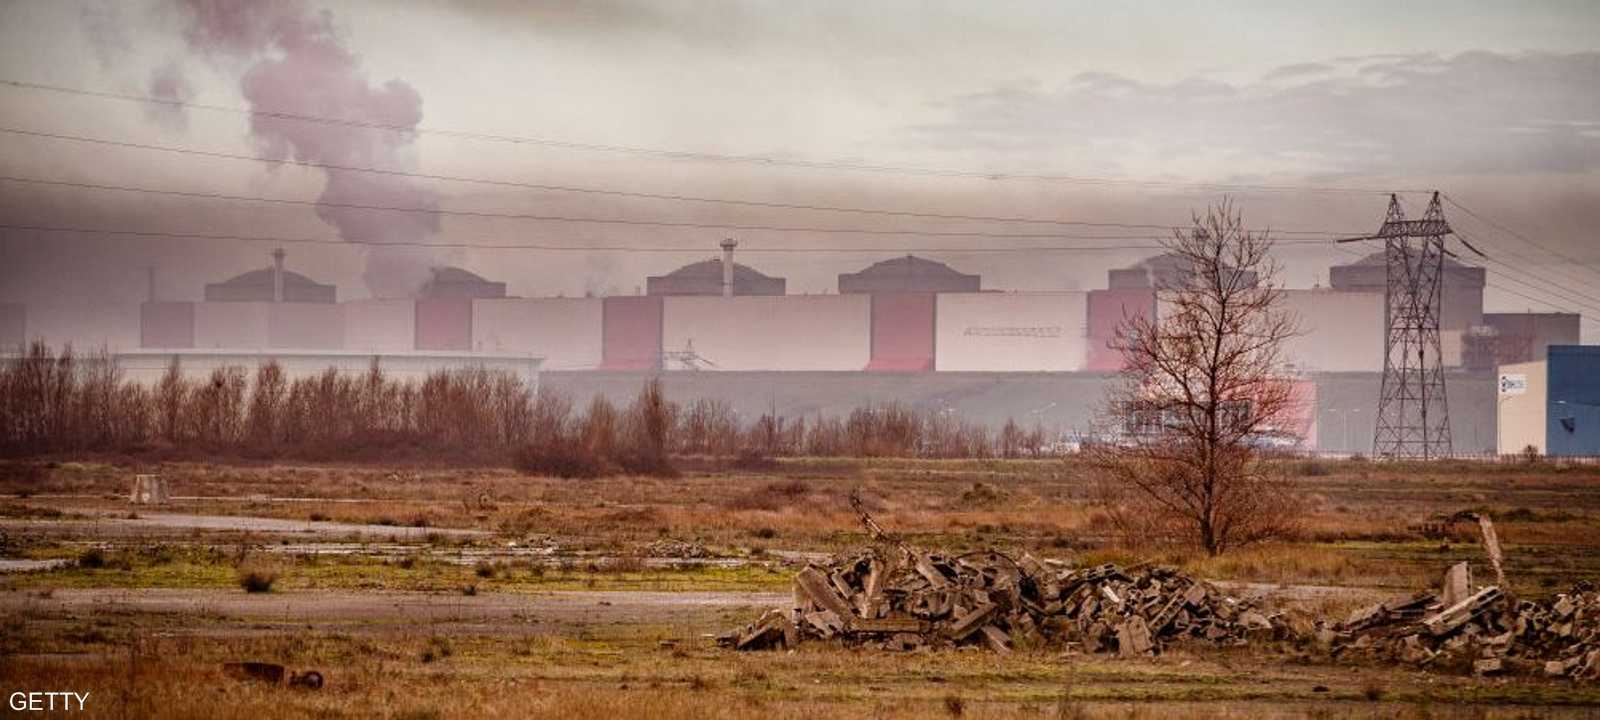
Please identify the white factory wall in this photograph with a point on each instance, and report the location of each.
(1340, 331)
(1011, 332)
(87, 326)
(1523, 420)
(566, 332)
(380, 325)
(793, 332)
(305, 326)
(231, 325)
(148, 366)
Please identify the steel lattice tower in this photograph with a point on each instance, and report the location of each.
(1413, 413)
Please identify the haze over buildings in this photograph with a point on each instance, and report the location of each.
(913, 189)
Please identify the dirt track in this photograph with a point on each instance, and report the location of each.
(383, 606)
(158, 524)
(588, 607)
(212, 612)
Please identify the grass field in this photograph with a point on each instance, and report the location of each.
(428, 592)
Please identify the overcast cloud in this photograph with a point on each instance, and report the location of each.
(1492, 102)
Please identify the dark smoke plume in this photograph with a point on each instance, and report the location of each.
(297, 66)
(168, 83)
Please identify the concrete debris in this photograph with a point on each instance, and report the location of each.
(1486, 631)
(1457, 584)
(669, 548)
(895, 598)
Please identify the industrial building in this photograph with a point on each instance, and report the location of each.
(1460, 297)
(271, 284)
(905, 329)
(909, 274)
(147, 366)
(1506, 338)
(717, 276)
(453, 282)
(1552, 405)
(277, 314)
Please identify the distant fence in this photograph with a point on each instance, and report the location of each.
(1490, 458)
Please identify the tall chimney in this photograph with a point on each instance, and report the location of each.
(277, 275)
(727, 266)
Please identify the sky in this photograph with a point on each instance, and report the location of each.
(1136, 113)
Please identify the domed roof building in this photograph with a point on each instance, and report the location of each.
(262, 286)
(705, 278)
(453, 282)
(1461, 294)
(908, 274)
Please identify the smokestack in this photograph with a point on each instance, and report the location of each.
(727, 266)
(277, 275)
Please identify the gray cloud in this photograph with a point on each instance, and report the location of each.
(104, 26)
(1476, 112)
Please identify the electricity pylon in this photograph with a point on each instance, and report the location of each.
(1413, 412)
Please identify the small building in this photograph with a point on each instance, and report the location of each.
(908, 274)
(453, 282)
(705, 278)
(1552, 405)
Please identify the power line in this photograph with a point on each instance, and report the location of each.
(1545, 283)
(616, 221)
(1515, 234)
(614, 248)
(540, 186)
(1502, 288)
(762, 160)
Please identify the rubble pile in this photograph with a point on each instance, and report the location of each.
(669, 548)
(894, 597)
(906, 600)
(1485, 627)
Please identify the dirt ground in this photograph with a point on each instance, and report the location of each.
(432, 593)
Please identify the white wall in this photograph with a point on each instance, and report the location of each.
(1524, 419)
(1011, 332)
(148, 366)
(380, 325)
(233, 325)
(1341, 331)
(306, 326)
(566, 332)
(87, 326)
(781, 332)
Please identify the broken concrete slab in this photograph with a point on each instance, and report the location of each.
(1133, 638)
(1457, 584)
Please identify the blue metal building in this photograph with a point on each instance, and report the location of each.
(1572, 424)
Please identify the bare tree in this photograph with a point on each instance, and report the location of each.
(599, 432)
(1012, 440)
(648, 427)
(1203, 388)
